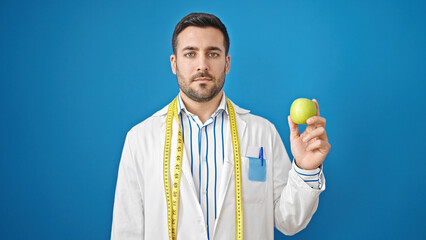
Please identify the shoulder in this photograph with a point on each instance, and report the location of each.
(256, 119)
(260, 124)
(253, 120)
(150, 126)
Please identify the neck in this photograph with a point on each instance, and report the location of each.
(203, 110)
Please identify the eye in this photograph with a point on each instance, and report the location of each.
(190, 54)
(213, 54)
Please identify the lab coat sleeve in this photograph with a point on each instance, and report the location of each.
(295, 202)
(128, 214)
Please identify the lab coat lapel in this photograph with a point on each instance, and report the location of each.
(186, 176)
(228, 167)
(186, 180)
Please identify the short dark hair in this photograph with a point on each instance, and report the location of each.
(200, 20)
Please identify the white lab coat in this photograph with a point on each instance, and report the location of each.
(284, 200)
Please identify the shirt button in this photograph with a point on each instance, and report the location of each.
(204, 192)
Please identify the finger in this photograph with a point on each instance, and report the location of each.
(317, 133)
(316, 104)
(313, 123)
(318, 144)
(316, 120)
(294, 128)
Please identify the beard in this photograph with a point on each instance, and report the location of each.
(205, 92)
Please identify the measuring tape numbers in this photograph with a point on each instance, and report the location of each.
(173, 199)
(172, 196)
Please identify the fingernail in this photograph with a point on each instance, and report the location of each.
(309, 121)
(305, 139)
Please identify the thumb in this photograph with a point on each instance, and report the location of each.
(316, 104)
(294, 129)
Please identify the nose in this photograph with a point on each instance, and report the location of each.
(202, 64)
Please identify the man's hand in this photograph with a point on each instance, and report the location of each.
(310, 148)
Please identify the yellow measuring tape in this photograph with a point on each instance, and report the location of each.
(237, 172)
(173, 199)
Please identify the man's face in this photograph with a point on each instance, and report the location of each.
(200, 63)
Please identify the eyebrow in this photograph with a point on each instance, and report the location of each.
(211, 48)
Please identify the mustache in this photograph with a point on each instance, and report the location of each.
(202, 75)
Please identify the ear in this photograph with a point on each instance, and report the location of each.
(173, 63)
(227, 63)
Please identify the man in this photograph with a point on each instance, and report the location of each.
(274, 191)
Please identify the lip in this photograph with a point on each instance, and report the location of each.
(202, 79)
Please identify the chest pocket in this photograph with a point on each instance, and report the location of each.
(254, 191)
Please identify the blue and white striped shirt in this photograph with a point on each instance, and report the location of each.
(205, 142)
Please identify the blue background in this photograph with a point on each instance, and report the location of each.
(77, 75)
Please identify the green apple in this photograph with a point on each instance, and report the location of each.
(301, 110)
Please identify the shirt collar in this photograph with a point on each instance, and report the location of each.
(237, 109)
(222, 106)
